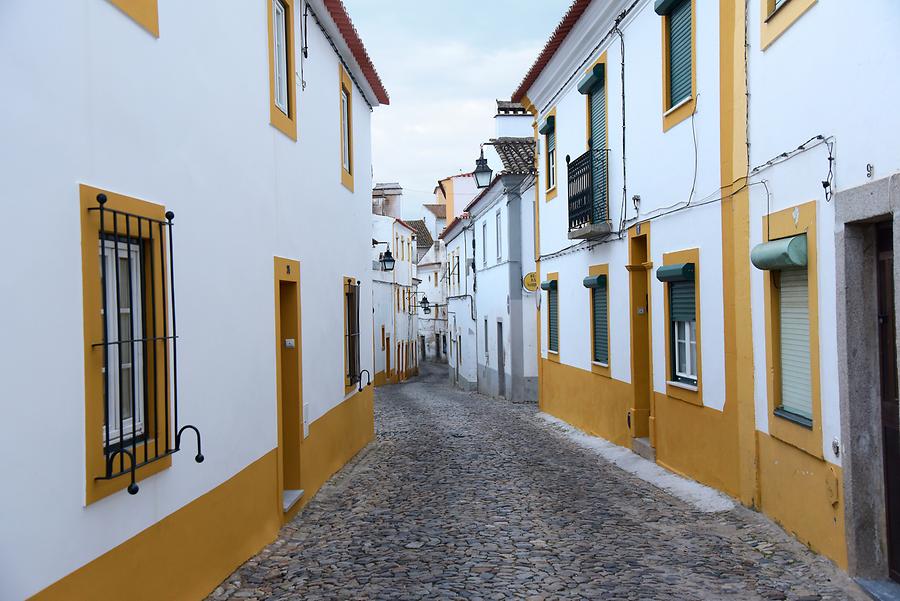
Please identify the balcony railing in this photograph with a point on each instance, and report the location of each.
(588, 199)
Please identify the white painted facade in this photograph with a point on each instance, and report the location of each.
(180, 120)
(661, 185)
(394, 293)
(856, 117)
(432, 274)
(461, 311)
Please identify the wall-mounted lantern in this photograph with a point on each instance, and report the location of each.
(483, 173)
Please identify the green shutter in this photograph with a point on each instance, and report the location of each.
(598, 147)
(553, 319)
(796, 378)
(679, 23)
(601, 325)
(682, 304)
(551, 141)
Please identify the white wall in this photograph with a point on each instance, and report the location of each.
(462, 313)
(843, 91)
(182, 120)
(660, 168)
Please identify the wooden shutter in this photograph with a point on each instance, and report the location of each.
(601, 325)
(682, 302)
(553, 319)
(796, 388)
(680, 52)
(598, 148)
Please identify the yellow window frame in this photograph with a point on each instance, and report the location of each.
(673, 115)
(143, 12)
(774, 22)
(346, 87)
(675, 390)
(286, 124)
(599, 368)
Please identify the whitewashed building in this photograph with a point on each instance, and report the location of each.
(462, 316)
(706, 238)
(155, 167)
(431, 271)
(394, 294)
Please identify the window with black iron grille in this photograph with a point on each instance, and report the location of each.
(351, 301)
(140, 356)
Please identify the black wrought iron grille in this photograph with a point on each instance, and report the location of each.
(587, 189)
(140, 353)
(352, 305)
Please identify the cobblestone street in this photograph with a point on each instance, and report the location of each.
(461, 496)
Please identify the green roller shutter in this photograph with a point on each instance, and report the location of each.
(553, 319)
(796, 388)
(682, 301)
(598, 147)
(680, 52)
(601, 325)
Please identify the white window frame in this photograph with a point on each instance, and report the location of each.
(499, 222)
(551, 162)
(345, 128)
(484, 243)
(685, 336)
(279, 24)
(132, 252)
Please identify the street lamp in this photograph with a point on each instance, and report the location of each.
(426, 306)
(482, 172)
(387, 260)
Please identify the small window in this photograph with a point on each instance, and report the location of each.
(683, 315)
(499, 237)
(122, 282)
(279, 20)
(345, 130)
(551, 159)
(485, 339)
(553, 319)
(679, 49)
(351, 343)
(796, 372)
(600, 322)
(484, 243)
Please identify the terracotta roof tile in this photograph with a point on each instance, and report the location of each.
(339, 14)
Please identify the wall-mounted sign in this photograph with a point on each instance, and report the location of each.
(530, 282)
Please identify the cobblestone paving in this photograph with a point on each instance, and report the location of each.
(465, 497)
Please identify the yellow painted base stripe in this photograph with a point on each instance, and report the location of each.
(188, 553)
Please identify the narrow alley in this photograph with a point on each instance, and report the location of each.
(465, 497)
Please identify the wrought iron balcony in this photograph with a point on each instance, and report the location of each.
(588, 197)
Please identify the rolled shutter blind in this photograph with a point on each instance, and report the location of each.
(796, 389)
(680, 52)
(553, 320)
(601, 334)
(598, 148)
(551, 141)
(681, 301)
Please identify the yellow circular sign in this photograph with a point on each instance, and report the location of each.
(530, 282)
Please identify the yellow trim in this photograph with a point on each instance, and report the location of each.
(346, 86)
(348, 385)
(144, 12)
(738, 331)
(782, 225)
(673, 115)
(380, 379)
(288, 271)
(677, 392)
(598, 368)
(551, 191)
(449, 198)
(195, 548)
(773, 22)
(92, 304)
(553, 355)
(641, 375)
(286, 124)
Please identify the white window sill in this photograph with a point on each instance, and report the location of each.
(678, 106)
(549, 352)
(599, 364)
(682, 385)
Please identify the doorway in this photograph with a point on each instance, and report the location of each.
(640, 415)
(890, 408)
(501, 362)
(288, 376)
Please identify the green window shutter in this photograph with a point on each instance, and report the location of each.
(601, 325)
(598, 147)
(680, 52)
(682, 303)
(551, 141)
(553, 319)
(796, 377)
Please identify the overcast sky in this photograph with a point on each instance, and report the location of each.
(444, 64)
